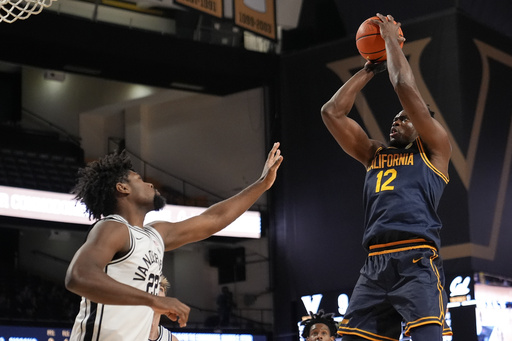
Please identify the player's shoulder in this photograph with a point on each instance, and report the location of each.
(110, 221)
(375, 147)
(108, 226)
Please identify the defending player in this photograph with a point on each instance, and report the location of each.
(117, 270)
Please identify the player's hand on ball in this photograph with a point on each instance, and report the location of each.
(377, 67)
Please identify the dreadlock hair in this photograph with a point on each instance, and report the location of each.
(319, 317)
(96, 183)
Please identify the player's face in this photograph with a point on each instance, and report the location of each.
(161, 292)
(320, 332)
(402, 131)
(158, 201)
(145, 192)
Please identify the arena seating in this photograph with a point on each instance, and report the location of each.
(38, 160)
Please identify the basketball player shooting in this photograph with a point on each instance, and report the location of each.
(403, 278)
(117, 270)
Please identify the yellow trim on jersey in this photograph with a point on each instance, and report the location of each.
(447, 331)
(368, 168)
(390, 247)
(427, 161)
(424, 246)
(405, 241)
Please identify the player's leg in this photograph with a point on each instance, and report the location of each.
(370, 316)
(427, 332)
(421, 299)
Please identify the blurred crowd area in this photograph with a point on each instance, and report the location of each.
(28, 298)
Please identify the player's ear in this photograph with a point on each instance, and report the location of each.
(122, 188)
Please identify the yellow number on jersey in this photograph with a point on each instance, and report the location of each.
(389, 176)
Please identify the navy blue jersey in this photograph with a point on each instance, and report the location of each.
(401, 194)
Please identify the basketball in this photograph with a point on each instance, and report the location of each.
(369, 43)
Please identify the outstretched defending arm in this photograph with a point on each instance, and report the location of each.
(220, 215)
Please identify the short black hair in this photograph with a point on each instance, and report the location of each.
(96, 184)
(319, 317)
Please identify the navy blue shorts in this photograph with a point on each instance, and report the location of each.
(400, 281)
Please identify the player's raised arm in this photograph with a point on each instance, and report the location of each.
(402, 78)
(348, 133)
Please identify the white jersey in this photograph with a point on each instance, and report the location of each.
(164, 334)
(140, 268)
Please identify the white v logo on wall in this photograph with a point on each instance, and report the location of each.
(312, 303)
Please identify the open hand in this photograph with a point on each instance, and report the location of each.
(389, 27)
(273, 162)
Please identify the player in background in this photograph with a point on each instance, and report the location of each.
(319, 327)
(159, 332)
